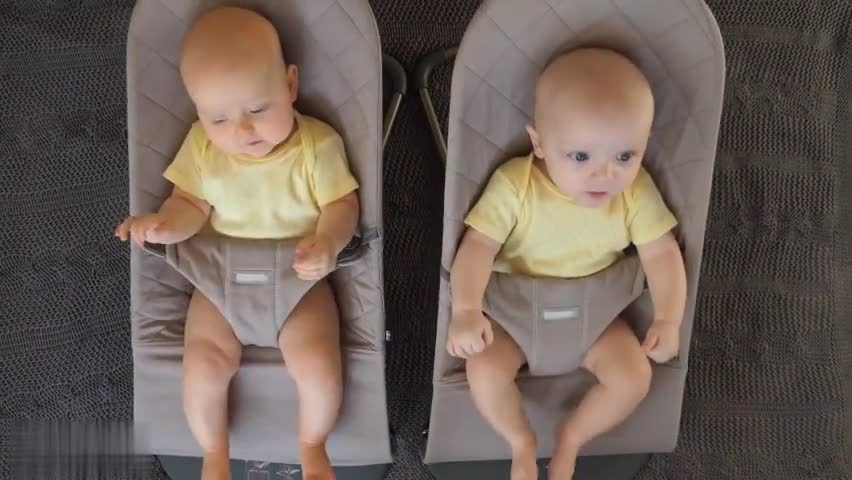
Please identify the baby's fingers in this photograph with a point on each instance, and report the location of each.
(299, 264)
(664, 351)
(304, 260)
(156, 234)
(138, 233)
(301, 268)
(488, 334)
(123, 230)
(456, 350)
(305, 268)
(652, 340)
(660, 356)
(459, 351)
(308, 276)
(670, 348)
(477, 346)
(309, 271)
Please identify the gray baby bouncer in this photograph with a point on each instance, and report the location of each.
(678, 45)
(336, 46)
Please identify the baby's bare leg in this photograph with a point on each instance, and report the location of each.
(211, 357)
(624, 376)
(491, 376)
(310, 344)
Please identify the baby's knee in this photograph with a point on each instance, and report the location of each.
(316, 369)
(641, 373)
(489, 369)
(207, 362)
(632, 376)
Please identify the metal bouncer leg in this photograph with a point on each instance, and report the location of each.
(611, 467)
(422, 72)
(399, 81)
(189, 468)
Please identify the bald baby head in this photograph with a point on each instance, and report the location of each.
(593, 114)
(230, 39)
(592, 79)
(234, 71)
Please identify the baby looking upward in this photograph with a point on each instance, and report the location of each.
(569, 209)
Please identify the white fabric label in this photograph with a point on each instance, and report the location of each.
(252, 278)
(561, 314)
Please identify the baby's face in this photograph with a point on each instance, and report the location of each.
(592, 156)
(247, 111)
(594, 111)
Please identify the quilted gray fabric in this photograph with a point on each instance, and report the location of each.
(777, 260)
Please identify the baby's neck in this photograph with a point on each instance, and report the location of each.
(293, 131)
(542, 167)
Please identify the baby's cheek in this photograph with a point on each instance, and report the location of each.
(222, 140)
(277, 127)
(565, 175)
(573, 184)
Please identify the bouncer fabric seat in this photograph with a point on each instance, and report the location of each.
(335, 44)
(678, 46)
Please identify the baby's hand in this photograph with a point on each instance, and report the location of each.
(150, 228)
(662, 341)
(470, 333)
(315, 257)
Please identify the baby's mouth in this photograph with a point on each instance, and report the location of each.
(597, 195)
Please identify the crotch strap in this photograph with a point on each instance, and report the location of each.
(251, 282)
(553, 320)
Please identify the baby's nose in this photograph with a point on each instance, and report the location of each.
(606, 171)
(244, 126)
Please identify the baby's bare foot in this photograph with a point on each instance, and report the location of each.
(564, 459)
(524, 465)
(216, 466)
(315, 463)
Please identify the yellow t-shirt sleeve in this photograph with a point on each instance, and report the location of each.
(331, 177)
(496, 212)
(648, 217)
(185, 170)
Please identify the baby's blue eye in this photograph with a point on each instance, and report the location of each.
(580, 156)
(625, 157)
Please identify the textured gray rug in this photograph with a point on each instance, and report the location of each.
(771, 369)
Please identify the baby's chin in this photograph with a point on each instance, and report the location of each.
(260, 149)
(595, 199)
(247, 150)
(590, 199)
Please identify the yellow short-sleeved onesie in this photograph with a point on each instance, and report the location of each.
(545, 233)
(277, 196)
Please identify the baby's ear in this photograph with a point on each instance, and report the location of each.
(292, 77)
(536, 141)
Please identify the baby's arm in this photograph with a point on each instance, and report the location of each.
(663, 264)
(316, 255)
(470, 332)
(489, 222)
(180, 217)
(183, 215)
(338, 221)
(471, 270)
